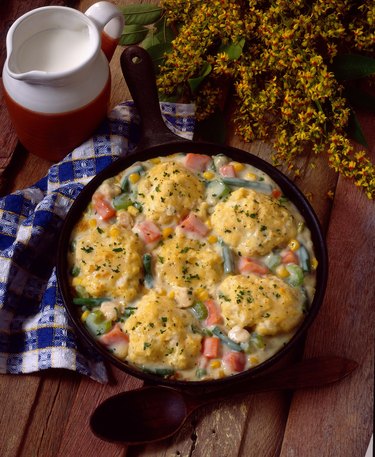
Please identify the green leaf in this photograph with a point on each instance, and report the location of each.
(212, 129)
(359, 98)
(164, 32)
(157, 53)
(233, 50)
(194, 83)
(142, 14)
(353, 66)
(355, 130)
(133, 34)
(158, 34)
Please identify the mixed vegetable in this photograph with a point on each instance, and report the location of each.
(192, 267)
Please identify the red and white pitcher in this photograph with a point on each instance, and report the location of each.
(56, 76)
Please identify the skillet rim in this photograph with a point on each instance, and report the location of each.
(288, 188)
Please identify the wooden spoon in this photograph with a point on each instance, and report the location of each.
(155, 413)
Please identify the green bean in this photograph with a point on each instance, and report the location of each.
(200, 310)
(201, 331)
(227, 256)
(238, 182)
(219, 160)
(295, 278)
(224, 338)
(148, 279)
(122, 201)
(163, 372)
(97, 324)
(272, 260)
(89, 301)
(304, 258)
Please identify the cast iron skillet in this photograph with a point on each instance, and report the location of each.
(157, 140)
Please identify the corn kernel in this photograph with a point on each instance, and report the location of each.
(221, 374)
(155, 160)
(171, 294)
(281, 271)
(132, 210)
(208, 175)
(167, 231)
(251, 177)
(208, 223)
(294, 245)
(84, 315)
(134, 177)
(77, 281)
(253, 360)
(238, 166)
(215, 364)
(212, 239)
(92, 223)
(202, 294)
(314, 263)
(163, 292)
(114, 232)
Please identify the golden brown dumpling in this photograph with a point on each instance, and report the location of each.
(161, 334)
(265, 304)
(168, 192)
(109, 261)
(253, 223)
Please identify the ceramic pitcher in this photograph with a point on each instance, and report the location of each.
(56, 75)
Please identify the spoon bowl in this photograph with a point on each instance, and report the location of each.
(154, 413)
(140, 416)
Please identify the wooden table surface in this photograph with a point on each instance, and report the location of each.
(46, 414)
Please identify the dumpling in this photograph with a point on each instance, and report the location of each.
(253, 223)
(168, 192)
(161, 334)
(108, 261)
(186, 262)
(267, 305)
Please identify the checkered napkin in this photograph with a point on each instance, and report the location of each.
(35, 332)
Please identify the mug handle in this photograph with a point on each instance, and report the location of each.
(110, 21)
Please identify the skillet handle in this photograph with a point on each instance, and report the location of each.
(138, 71)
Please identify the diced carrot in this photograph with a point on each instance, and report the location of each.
(228, 171)
(198, 162)
(235, 360)
(289, 257)
(149, 231)
(103, 207)
(114, 336)
(214, 316)
(211, 346)
(276, 193)
(249, 265)
(193, 224)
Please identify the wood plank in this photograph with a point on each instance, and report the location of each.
(18, 397)
(58, 389)
(339, 420)
(76, 439)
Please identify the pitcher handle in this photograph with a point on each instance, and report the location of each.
(110, 21)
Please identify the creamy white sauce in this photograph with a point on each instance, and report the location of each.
(255, 350)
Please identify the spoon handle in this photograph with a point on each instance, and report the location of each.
(315, 372)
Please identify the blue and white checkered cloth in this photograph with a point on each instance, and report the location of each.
(35, 332)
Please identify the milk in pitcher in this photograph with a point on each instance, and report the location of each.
(54, 50)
